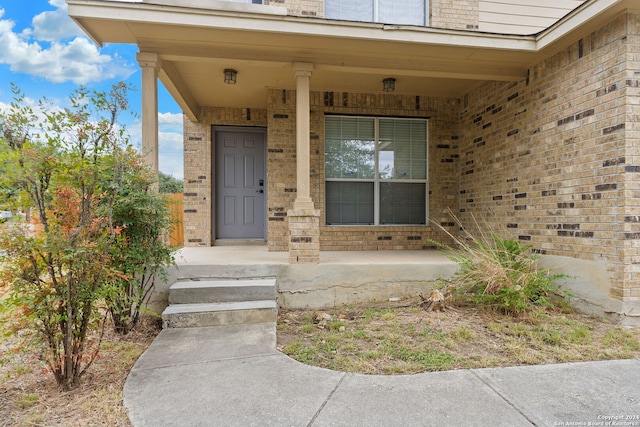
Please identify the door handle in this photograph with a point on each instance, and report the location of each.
(259, 191)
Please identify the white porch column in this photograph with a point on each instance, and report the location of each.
(150, 64)
(302, 72)
(304, 225)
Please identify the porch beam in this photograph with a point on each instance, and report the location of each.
(150, 64)
(476, 68)
(176, 86)
(302, 72)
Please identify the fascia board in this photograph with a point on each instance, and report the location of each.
(221, 5)
(229, 17)
(230, 20)
(575, 19)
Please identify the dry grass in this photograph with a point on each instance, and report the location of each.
(29, 395)
(498, 271)
(401, 337)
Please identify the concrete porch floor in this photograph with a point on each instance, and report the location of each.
(255, 254)
(340, 277)
(345, 277)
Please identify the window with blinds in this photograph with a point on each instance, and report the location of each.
(375, 171)
(400, 12)
(246, 1)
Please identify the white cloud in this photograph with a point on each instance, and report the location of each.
(77, 60)
(172, 165)
(170, 119)
(170, 142)
(170, 122)
(55, 25)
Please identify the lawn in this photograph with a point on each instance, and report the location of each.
(402, 338)
(29, 394)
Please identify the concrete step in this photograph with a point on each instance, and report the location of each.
(218, 314)
(227, 290)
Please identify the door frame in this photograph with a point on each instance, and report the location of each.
(215, 129)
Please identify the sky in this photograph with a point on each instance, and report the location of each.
(46, 54)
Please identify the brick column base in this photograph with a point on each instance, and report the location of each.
(304, 236)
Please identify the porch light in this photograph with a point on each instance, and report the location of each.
(389, 84)
(230, 76)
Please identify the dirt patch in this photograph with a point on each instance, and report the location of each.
(30, 396)
(401, 337)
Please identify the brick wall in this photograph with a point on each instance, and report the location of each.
(551, 159)
(311, 8)
(280, 119)
(630, 87)
(281, 166)
(198, 157)
(454, 14)
(443, 164)
(197, 184)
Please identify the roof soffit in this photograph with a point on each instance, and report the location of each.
(198, 43)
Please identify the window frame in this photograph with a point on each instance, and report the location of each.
(247, 1)
(375, 12)
(376, 180)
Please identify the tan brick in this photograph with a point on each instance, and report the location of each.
(572, 174)
(578, 132)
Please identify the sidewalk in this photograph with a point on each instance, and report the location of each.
(234, 376)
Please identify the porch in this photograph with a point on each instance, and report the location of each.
(341, 277)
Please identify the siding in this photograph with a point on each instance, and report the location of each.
(519, 17)
(522, 16)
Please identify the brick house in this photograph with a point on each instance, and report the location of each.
(334, 125)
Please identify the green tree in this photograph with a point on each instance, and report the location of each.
(170, 184)
(70, 166)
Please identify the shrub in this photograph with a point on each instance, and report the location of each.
(141, 252)
(500, 272)
(69, 165)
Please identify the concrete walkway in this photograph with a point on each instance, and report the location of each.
(234, 376)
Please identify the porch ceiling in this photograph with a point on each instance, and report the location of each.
(198, 39)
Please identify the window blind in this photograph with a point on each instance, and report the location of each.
(401, 12)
